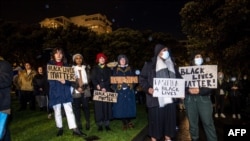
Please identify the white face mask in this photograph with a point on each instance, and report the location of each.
(198, 61)
(233, 78)
(165, 55)
(221, 76)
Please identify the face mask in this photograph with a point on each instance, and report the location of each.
(198, 61)
(233, 79)
(221, 76)
(165, 55)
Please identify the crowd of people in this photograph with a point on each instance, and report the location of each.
(71, 98)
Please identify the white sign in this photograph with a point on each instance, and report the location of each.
(200, 76)
(169, 87)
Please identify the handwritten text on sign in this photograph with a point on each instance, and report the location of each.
(167, 87)
(106, 97)
(60, 72)
(200, 76)
(123, 79)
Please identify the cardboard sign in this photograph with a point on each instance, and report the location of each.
(105, 96)
(123, 79)
(169, 87)
(200, 76)
(60, 72)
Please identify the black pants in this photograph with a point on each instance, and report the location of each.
(79, 104)
(25, 97)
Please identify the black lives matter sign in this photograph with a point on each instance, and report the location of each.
(60, 72)
(200, 76)
(105, 96)
(169, 87)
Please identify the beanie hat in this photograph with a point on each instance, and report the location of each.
(74, 56)
(122, 56)
(99, 55)
(158, 49)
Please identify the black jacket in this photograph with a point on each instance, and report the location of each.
(147, 75)
(6, 75)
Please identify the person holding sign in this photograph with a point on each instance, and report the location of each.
(60, 95)
(100, 77)
(161, 110)
(198, 104)
(125, 107)
(81, 92)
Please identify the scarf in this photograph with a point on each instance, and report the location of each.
(164, 69)
(59, 63)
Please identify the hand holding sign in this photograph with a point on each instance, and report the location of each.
(169, 87)
(194, 90)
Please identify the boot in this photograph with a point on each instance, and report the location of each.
(60, 132)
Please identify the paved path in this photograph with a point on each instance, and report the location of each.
(183, 133)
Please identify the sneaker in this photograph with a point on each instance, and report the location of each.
(234, 116)
(222, 115)
(216, 115)
(239, 116)
(49, 116)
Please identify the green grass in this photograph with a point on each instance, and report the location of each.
(35, 126)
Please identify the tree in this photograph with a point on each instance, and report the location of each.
(220, 27)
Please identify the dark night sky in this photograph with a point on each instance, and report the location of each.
(157, 15)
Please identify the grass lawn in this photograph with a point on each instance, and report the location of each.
(35, 126)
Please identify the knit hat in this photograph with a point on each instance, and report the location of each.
(158, 49)
(74, 56)
(122, 56)
(99, 55)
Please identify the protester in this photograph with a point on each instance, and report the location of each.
(5, 100)
(60, 95)
(161, 110)
(81, 91)
(125, 107)
(245, 91)
(100, 77)
(235, 96)
(25, 78)
(40, 84)
(199, 106)
(220, 95)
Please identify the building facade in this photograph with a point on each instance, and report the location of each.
(95, 22)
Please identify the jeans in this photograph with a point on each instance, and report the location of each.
(200, 106)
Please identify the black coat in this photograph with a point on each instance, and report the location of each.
(146, 77)
(101, 76)
(40, 81)
(6, 75)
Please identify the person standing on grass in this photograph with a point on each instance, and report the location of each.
(60, 95)
(161, 110)
(125, 107)
(40, 84)
(81, 91)
(100, 77)
(24, 81)
(5, 97)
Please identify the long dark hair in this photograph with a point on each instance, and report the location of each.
(55, 50)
